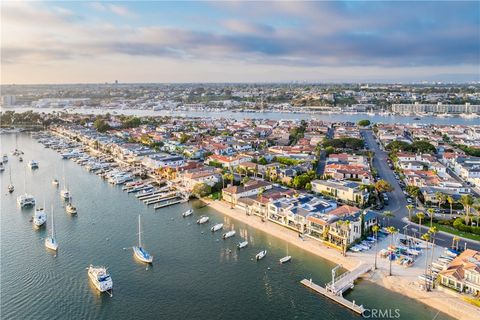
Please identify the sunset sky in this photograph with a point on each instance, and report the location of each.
(234, 41)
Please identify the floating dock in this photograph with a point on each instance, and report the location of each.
(339, 299)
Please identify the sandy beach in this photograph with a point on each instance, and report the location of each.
(404, 280)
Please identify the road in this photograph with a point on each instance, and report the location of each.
(323, 155)
(397, 202)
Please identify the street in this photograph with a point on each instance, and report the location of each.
(397, 202)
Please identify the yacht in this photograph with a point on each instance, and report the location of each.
(33, 164)
(65, 193)
(228, 234)
(261, 255)
(203, 219)
(10, 187)
(187, 213)
(70, 208)
(285, 259)
(51, 240)
(100, 278)
(217, 227)
(5, 158)
(242, 244)
(20, 159)
(139, 252)
(40, 217)
(26, 200)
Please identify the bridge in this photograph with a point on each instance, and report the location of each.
(340, 284)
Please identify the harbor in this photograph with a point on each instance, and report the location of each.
(105, 229)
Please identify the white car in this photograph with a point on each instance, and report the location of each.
(409, 200)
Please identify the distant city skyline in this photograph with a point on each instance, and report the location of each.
(233, 41)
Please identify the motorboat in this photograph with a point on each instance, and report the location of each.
(70, 208)
(285, 259)
(25, 200)
(203, 219)
(51, 241)
(100, 278)
(5, 158)
(20, 159)
(229, 234)
(2, 167)
(261, 255)
(217, 227)
(39, 217)
(10, 187)
(242, 244)
(33, 164)
(65, 193)
(55, 182)
(187, 213)
(139, 252)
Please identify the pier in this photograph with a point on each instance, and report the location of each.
(335, 288)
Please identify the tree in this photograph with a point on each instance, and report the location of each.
(431, 213)
(101, 125)
(414, 192)
(184, 138)
(433, 232)
(201, 190)
(426, 237)
(450, 202)
(467, 201)
(476, 206)
(455, 241)
(391, 230)
(420, 216)
(383, 186)
(245, 180)
(364, 123)
(375, 229)
(440, 197)
(388, 214)
(410, 208)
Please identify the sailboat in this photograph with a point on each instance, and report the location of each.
(51, 240)
(55, 180)
(39, 217)
(25, 199)
(64, 193)
(285, 259)
(11, 188)
(70, 208)
(139, 252)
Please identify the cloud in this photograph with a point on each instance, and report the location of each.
(112, 8)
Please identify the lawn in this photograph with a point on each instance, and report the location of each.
(456, 232)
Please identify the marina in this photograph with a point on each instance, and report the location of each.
(102, 204)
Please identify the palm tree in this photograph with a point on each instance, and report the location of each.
(420, 216)
(410, 208)
(440, 198)
(414, 191)
(431, 213)
(375, 229)
(450, 202)
(455, 241)
(426, 237)
(467, 201)
(476, 206)
(433, 232)
(391, 231)
(388, 214)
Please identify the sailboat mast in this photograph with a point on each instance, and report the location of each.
(139, 233)
(53, 225)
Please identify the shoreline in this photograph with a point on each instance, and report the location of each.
(402, 281)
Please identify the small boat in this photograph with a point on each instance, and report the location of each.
(203, 219)
(20, 159)
(2, 167)
(261, 255)
(5, 158)
(55, 182)
(187, 213)
(139, 252)
(100, 278)
(40, 217)
(33, 164)
(217, 227)
(242, 244)
(285, 259)
(70, 208)
(229, 234)
(65, 194)
(51, 241)
(10, 187)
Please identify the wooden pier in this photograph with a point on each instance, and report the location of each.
(339, 299)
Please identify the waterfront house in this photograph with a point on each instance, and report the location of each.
(463, 273)
(347, 191)
(253, 187)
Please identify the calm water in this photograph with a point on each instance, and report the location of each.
(270, 115)
(192, 276)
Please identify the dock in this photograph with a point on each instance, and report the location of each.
(339, 299)
(335, 288)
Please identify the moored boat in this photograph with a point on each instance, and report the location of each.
(51, 241)
(217, 227)
(261, 255)
(285, 259)
(39, 217)
(203, 219)
(139, 252)
(187, 213)
(229, 234)
(242, 244)
(100, 278)
(33, 164)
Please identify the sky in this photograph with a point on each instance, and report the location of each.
(239, 41)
